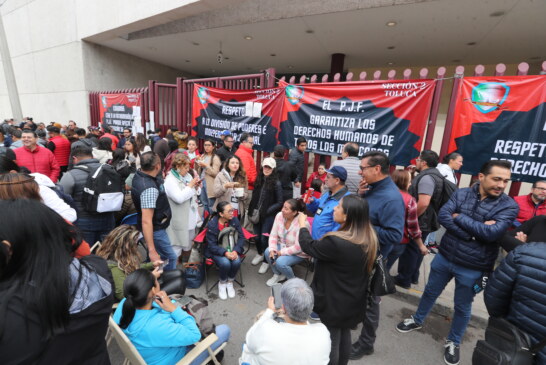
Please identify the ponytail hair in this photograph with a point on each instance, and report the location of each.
(136, 287)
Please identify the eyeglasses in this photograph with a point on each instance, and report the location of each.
(540, 189)
(362, 168)
(417, 159)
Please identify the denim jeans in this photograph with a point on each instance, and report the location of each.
(264, 226)
(228, 268)
(283, 264)
(95, 228)
(164, 249)
(441, 273)
(223, 332)
(409, 263)
(396, 252)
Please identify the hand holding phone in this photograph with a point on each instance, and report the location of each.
(276, 294)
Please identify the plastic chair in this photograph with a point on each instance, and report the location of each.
(132, 356)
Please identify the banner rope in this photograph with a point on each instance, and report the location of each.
(456, 76)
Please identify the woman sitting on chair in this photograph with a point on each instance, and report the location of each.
(160, 330)
(120, 250)
(284, 250)
(226, 257)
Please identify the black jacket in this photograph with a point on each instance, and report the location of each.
(82, 342)
(468, 241)
(162, 212)
(297, 159)
(534, 228)
(517, 291)
(287, 175)
(213, 249)
(272, 200)
(340, 282)
(224, 153)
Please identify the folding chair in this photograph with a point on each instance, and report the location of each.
(132, 356)
(130, 219)
(209, 262)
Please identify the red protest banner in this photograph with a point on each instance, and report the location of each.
(120, 110)
(502, 117)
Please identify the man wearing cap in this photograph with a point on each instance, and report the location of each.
(227, 150)
(60, 146)
(323, 208)
(223, 135)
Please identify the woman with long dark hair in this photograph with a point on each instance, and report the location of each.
(132, 154)
(54, 308)
(160, 330)
(226, 183)
(267, 199)
(142, 143)
(208, 165)
(103, 151)
(345, 259)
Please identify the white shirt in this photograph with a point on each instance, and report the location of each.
(447, 172)
(271, 343)
(52, 200)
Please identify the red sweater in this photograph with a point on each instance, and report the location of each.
(62, 150)
(247, 158)
(115, 140)
(528, 209)
(40, 160)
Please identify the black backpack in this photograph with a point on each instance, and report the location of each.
(443, 190)
(103, 190)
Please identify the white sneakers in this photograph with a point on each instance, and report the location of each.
(263, 268)
(230, 290)
(226, 290)
(275, 279)
(222, 290)
(257, 259)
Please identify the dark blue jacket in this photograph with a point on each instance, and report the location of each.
(213, 249)
(469, 242)
(162, 212)
(387, 213)
(517, 291)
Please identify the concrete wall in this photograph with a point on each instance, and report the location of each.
(55, 69)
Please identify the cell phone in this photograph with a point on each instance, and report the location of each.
(276, 294)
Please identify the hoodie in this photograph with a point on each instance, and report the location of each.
(160, 337)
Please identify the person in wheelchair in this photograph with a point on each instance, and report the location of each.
(225, 241)
(161, 331)
(120, 249)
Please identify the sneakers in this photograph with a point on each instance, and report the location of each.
(263, 268)
(408, 325)
(222, 290)
(451, 353)
(314, 316)
(275, 279)
(257, 259)
(230, 290)
(358, 351)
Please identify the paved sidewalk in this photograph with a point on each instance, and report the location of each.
(444, 304)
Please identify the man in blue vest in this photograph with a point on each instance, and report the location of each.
(154, 212)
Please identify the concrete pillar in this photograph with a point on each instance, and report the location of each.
(16, 110)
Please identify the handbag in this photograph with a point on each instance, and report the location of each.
(195, 274)
(505, 344)
(380, 282)
(254, 218)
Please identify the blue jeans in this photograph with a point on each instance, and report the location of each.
(164, 249)
(441, 273)
(410, 262)
(283, 264)
(264, 226)
(222, 331)
(396, 252)
(228, 268)
(95, 228)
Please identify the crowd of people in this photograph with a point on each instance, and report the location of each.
(55, 293)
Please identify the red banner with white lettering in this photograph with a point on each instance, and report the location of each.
(120, 111)
(389, 116)
(502, 117)
(257, 112)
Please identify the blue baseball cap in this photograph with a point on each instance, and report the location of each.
(225, 133)
(338, 172)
